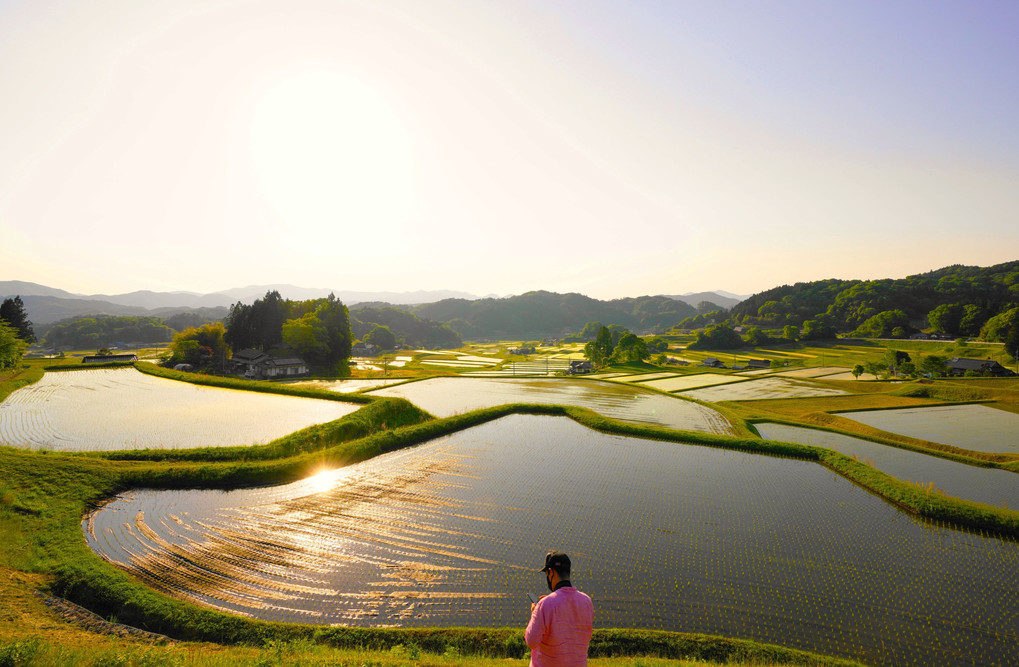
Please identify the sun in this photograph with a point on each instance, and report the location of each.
(334, 161)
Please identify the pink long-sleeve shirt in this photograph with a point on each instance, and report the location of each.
(560, 629)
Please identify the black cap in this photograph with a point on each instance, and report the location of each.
(556, 560)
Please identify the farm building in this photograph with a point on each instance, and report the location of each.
(960, 365)
(107, 358)
(758, 363)
(711, 362)
(259, 365)
(577, 367)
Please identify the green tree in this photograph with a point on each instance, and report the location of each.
(858, 370)
(12, 347)
(817, 330)
(199, 346)
(631, 347)
(874, 368)
(12, 311)
(382, 338)
(657, 344)
(756, 337)
(933, 365)
(307, 336)
(790, 332)
(946, 318)
(599, 350)
(882, 324)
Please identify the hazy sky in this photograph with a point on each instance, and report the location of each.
(609, 148)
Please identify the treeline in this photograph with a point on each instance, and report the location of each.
(369, 322)
(316, 329)
(954, 301)
(541, 314)
(92, 332)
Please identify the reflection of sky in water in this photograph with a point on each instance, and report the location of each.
(763, 388)
(444, 397)
(975, 427)
(983, 485)
(106, 409)
(662, 535)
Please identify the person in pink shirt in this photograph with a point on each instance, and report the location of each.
(561, 623)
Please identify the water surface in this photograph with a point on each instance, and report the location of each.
(662, 535)
(975, 427)
(983, 485)
(445, 397)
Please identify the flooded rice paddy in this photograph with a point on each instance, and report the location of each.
(770, 387)
(349, 386)
(662, 535)
(814, 371)
(445, 397)
(681, 382)
(106, 409)
(983, 485)
(975, 427)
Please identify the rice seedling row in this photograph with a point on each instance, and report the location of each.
(123, 409)
(813, 372)
(445, 397)
(975, 427)
(662, 535)
(682, 382)
(992, 486)
(770, 387)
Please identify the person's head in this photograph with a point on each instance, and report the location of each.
(557, 568)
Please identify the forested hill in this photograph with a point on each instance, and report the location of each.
(540, 314)
(955, 300)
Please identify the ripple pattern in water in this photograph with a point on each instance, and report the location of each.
(662, 535)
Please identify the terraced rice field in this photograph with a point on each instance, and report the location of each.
(450, 532)
(769, 387)
(644, 377)
(538, 367)
(974, 427)
(683, 382)
(349, 386)
(816, 371)
(445, 397)
(122, 408)
(992, 486)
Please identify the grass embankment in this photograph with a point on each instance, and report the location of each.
(44, 495)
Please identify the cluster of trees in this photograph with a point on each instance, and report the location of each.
(16, 332)
(956, 301)
(372, 323)
(725, 337)
(96, 331)
(200, 347)
(616, 346)
(538, 314)
(897, 362)
(316, 329)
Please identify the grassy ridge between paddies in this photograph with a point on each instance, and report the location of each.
(43, 496)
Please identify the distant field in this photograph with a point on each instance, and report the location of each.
(770, 387)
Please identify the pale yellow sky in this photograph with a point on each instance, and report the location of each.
(613, 149)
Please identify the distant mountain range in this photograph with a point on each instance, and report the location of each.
(48, 304)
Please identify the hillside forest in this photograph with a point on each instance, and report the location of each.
(955, 301)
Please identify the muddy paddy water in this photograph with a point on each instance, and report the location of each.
(445, 397)
(662, 535)
(107, 409)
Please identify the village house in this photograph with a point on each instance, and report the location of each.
(711, 362)
(960, 365)
(758, 363)
(577, 367)
(257, 365)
